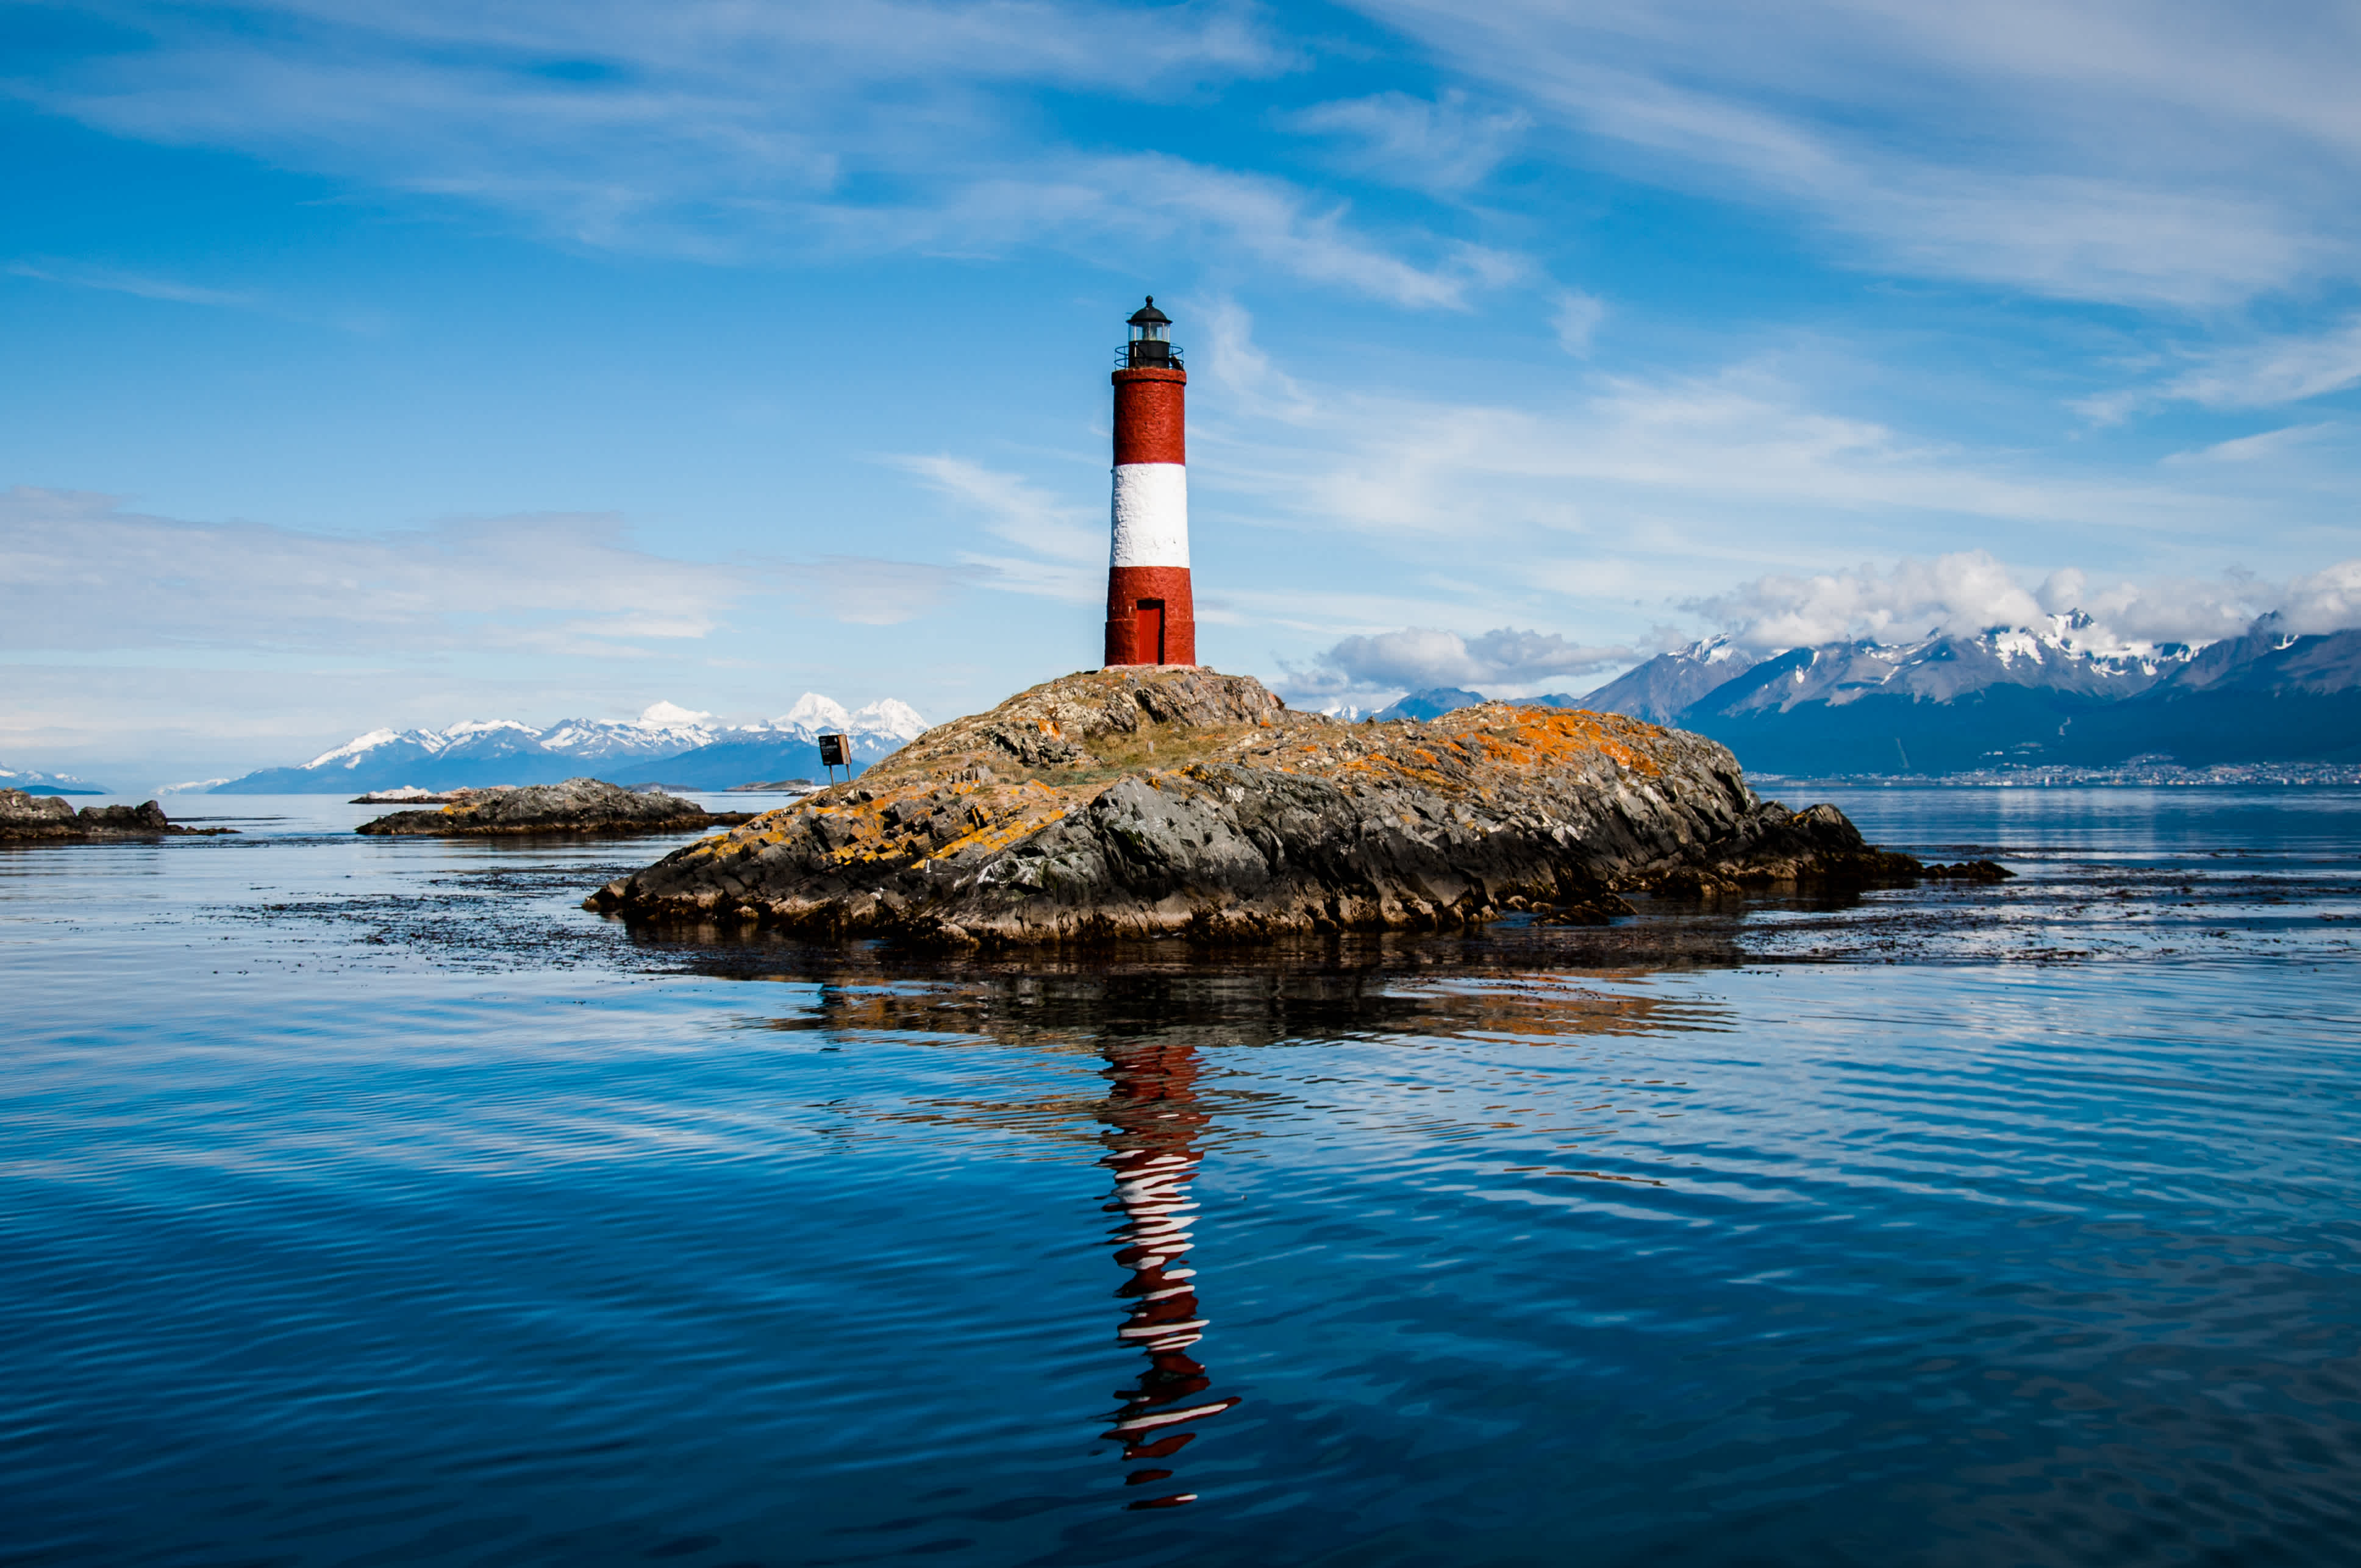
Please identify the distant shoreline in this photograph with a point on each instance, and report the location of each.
(2221, 775)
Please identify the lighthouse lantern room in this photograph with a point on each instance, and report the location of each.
(1151, 618)
(1151, 336)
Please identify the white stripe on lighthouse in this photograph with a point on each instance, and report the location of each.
(1151, 515)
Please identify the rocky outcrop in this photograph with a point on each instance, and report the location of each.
(25, 816)
(577, 806)
(1968, 870)
(1116, 804)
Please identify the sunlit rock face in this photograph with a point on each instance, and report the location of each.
(1136, 803)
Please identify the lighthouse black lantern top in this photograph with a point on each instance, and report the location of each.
(1150, 337)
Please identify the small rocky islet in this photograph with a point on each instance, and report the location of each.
(1129, 802)
(38, 817)
(577, 806)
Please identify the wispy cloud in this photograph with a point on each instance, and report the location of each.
(1146, 200)
(2277, 370)
(1703, 447)
(861, 590)
(2270, 445)
(725, 131)
(1443, 144)
(2266, 372)
(1063, 545)
(1576, 318)
(80, 572)
(116, 280)
(2105, 150)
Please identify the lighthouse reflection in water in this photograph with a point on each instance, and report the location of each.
(1152, 1126)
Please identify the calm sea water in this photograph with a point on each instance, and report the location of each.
(366, 1201)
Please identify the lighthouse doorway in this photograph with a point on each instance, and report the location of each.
(1150, 624)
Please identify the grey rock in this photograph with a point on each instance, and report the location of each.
(576, 805)
(1183, 801)
(25, 816)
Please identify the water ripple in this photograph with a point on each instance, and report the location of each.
(366, 1202)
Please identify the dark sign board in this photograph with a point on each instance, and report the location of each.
(835, 751)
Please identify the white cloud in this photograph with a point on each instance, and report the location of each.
(2155, 155)
(2172, 610)
(1670, 462)
(1969, 590)
(721, 130)
(1960, 592)
(1153, 201)
(2276, 370)
(142, 285)
(2268, 446)
(231, 644)
(1576, 318)
(1064, 546)
(78, 571)
(1963, 592)
(2326, 600)
(2265, 373)
(861, 591)
(1439, 145)
(1419, 657)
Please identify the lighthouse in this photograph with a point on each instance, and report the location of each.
(1150, 616)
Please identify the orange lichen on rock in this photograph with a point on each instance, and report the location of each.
(1045, 820)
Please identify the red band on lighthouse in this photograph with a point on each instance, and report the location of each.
(1151, 616)
(1150, 424)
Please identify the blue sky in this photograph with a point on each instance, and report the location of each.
(406, 361)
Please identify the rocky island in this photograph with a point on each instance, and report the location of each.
(1140, 802)
(577, 806)
(48, 817)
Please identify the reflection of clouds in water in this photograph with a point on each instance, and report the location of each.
(1152, 1122)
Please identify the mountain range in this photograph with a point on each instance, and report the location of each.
(666, 744)
(2055, 695)
(32, 781)
(2046, 695)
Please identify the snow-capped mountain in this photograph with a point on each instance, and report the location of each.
(661, 730)
(2271, 659)
(814, 716)
(626, 751)
(2055, 693)
(32, 781)
(786, 747)
(1667, 683)
(2063, 692)
(1941, 668)
(1431, 702)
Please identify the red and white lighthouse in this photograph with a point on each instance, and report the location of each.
(1150, 616)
